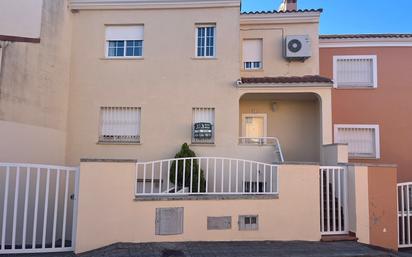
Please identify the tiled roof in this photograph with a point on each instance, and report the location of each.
(350, 36)
(275, 12)
(281, 80)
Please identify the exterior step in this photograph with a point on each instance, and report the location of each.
(339, 238)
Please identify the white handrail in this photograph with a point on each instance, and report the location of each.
(205, 175)
(262, 141)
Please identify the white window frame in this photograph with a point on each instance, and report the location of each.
(362, 126)
(252, 66)
(205, 25)
(106, 50)
(374, 59)
(255, 115)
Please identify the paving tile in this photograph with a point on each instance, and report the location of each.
(236, 249)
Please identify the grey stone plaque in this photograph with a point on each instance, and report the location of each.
(169, 221)
(219, 223)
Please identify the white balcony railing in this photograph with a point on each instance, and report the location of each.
(262, 141)
(205, 176)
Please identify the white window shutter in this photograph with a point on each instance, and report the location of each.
(355, 71)
(252, 50)
(120, 124)
(361, 140)
(124, 33)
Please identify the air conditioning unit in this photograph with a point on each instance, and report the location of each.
(298, 47)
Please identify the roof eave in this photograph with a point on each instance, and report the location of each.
(284, 85)
(364, 42)
(283, 17)
(9, 38)
(158, 4)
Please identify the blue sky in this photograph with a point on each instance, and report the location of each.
(351, 16)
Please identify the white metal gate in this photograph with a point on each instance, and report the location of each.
(333, 200)
(38, 206)
(404, 214)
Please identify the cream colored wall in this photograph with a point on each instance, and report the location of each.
(34, 83)
(20, 18)
(165, 91)
(296, 123)
(334, 154)
(31, 144)
(323, 93)
(107, 197)
(273, 35)
(358, 202)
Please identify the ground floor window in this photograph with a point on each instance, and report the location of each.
(362, 140)
(119, 124)
(203, 126)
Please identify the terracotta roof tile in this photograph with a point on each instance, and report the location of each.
(282, 80)
(349, 36)
(276, 12)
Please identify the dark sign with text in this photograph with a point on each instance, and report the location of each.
(203, 130)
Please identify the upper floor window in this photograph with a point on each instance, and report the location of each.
(355, 71)
(252, 54)
(120, 125)
(124, 41)
(203, 127)
(206, 41)
(362, 140)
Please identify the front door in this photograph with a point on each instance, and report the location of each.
(254, 127)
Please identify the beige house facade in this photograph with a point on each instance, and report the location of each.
(115, 88)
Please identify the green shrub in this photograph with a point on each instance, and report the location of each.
(185, 152)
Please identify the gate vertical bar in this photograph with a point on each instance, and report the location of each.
(16, 204)
(6, 197)
(36, 208)
(26, 202)
(46, 206)
(56, 202)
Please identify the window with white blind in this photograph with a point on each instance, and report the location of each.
(120, 124)
(355, 71)
(252, 54)
(203, 126)
(124, 41)
(206, 41)
(362, 140)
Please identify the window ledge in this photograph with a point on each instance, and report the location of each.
(204, 144)
(204, 58)
(205, 197)
(355, 87)
(117, 143)
(121, 58)
(363, 158)
(252, 70)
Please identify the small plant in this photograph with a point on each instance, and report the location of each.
(185, 152)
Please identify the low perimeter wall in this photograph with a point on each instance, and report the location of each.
(108, 212)
(372, 202)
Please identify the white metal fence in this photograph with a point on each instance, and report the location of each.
(38, 208)
(333, 200)
(404, 214)
(205, 175)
